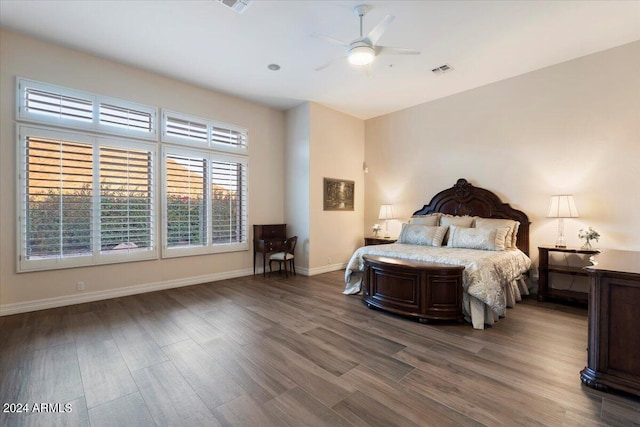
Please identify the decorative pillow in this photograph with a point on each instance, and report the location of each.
(431, 219)
(492, 239)
(459, 221)
(515, 235)
(418, 234)
(498, 222)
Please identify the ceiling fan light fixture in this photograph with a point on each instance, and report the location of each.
(361, 55)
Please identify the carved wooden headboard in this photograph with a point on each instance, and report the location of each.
(465, 199)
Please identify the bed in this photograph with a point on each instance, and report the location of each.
(492, 279)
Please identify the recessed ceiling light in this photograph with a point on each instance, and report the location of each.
(273, 67)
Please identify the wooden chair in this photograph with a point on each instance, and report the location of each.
(285, 257)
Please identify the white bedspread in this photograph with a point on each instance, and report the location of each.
(488, 275)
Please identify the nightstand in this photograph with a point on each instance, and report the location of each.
(545, 291)
(368, 241)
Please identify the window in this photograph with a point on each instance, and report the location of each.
(87, 181)
(228, 199)
(196, 131)
(46, 103)
(84, 200)
(184, 130)
(55, 105)
(125, 118)
(59, 197)
(205, 194)
(186, 210)
(205, 202)
(126, 199)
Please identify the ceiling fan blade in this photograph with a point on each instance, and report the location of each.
(329, 39)
(385, 50)
(333, 61)
(375, 34)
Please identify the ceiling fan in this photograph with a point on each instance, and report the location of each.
(363, 50)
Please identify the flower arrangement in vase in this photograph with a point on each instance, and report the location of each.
(376, 229)
(589, 235)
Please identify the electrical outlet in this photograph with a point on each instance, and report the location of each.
(80, 286)
(328, 260)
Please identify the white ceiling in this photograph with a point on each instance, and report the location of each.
(208, 44)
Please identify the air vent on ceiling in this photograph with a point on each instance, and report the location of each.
(442, 69)
(237, 5)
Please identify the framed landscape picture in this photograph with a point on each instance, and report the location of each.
(338, 194)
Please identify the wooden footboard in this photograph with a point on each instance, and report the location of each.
(422, 290)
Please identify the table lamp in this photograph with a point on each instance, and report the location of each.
(386, 213)
(562, 206)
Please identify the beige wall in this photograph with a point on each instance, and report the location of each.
(29, 58)
(570, 128)
(337, 151)
(323, 143)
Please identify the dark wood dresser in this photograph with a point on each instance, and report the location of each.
(267, 238)
(613, 359)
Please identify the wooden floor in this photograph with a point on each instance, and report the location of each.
(295, 352)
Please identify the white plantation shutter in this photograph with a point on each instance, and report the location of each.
(126, 202)
(84, 200)
(226, 136)
(205, 202)
(189, 130)
(58, 199)
(206, 192)
(58, 105)
(46, 103)
(88, 197)
(186, 208)
(195, 131)
(229, 200)
(126, 118)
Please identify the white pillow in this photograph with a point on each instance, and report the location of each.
(514, 240)
(418, 234)
(432, 219)
(460, 221)
(499, 222)
(492, 239)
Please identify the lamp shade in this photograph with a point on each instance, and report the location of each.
(562, 206)
(386, 212)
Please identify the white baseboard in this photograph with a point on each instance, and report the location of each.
(42, 304)
(313, 271)
(324, 269)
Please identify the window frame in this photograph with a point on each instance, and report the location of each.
(97, 256)
(210, 247)
(64, 127)
(22, 114)
(210, 144)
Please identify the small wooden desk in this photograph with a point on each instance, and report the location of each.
(267, 238)
(613, 359)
